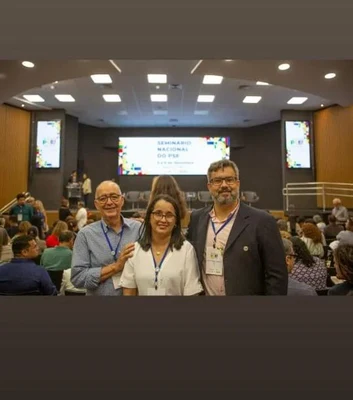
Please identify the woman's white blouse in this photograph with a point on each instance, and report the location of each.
(179, 274)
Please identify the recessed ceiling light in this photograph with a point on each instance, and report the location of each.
(35, 98)
(22, 105)
(259, 83)
(157, 78)
(65, 98)
(284, 66)
(101, 78)
(160, 112)
(111, 98)
(228, 60)
(330, 75)
(159, 97)
(56, 82)
(297, 100)
(201, 112)
(157, 87)
(205, 98)
(252, 99)
(212, 80)
(322, 105)
(28, 64)
(52, 87)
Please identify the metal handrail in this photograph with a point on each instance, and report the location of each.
(320, 188)
(7, 206)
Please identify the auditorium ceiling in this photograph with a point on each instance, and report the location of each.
(178, 103)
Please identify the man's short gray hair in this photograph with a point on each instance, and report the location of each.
(221, 164)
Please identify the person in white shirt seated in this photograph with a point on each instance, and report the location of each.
(81, 216)
(67, 288)
(164, 263)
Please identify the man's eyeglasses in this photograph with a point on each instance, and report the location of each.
(158, 216)
(229, 180)
(113, 197)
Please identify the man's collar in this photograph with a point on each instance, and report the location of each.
(124, 222)
(22, 260)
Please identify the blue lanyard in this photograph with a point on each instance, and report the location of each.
(157, 268)
(214, 229)
(113, 252)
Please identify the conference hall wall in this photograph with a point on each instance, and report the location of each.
(256, 150)
(333, 148)
(14, 154)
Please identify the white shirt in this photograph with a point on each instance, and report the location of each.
(81, 217)
(66, 284)
(179, 274)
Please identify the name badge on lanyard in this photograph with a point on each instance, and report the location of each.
(157, 267)
(113, 252)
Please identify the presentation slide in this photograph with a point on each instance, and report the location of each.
(170, 155)
(48, 144)
(298, 144)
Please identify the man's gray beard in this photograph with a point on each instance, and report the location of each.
(224, 201)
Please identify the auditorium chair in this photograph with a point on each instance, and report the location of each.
(204, 197)
(145, 196)
(250, 197)
(133, 197)
(190, 197)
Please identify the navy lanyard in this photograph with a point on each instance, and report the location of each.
(157, 268)
(113, 252)
(214, 229)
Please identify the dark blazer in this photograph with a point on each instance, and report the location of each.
(258, 270)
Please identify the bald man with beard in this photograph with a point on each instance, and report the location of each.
(102, 248)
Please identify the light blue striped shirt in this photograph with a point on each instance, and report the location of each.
(92, 252)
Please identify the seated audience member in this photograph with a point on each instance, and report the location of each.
(319, 222)
(332, 229)
(166, 184)
(339, 211)
(72, 225)
(283, 228)
(22, 276)
(12, 229)
(313, 240)
(23, 211)
(346, 237)
(295, 288)
(23, 228)
(64, 210)
(174, 271)
(307, 268)
(2, 222)
(33, 231)
(6, 253)
(56, 259)
(53, 239)
(301, 222)
(343, 258)
(81, 215)
(67, 287)
(311, 221)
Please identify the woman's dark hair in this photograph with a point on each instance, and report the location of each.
(302, 252)
(343, 256)
(166, 184)
(33, 231)
(177, 238)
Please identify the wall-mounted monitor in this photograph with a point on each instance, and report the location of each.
(297, 139)
(170, 155)
(48, 144)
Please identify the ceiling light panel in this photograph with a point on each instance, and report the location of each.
(159, 97)
(111, 98)
(157, 78)
(284, 67)
(65, 98)
(297, 100)
(34, 98)
(212, 80)
(101, 78)
(204, 98)
(252, 99)
(28, 64)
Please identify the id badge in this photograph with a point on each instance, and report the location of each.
(214, 261)
(19, 217)
(154, 292)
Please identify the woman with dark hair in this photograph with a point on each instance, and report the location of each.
(164, 263)
(307, 268)
(313, 239)
(166, 184)
(343, 258)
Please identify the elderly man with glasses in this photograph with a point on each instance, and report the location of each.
(239, 248)
(102, 248)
